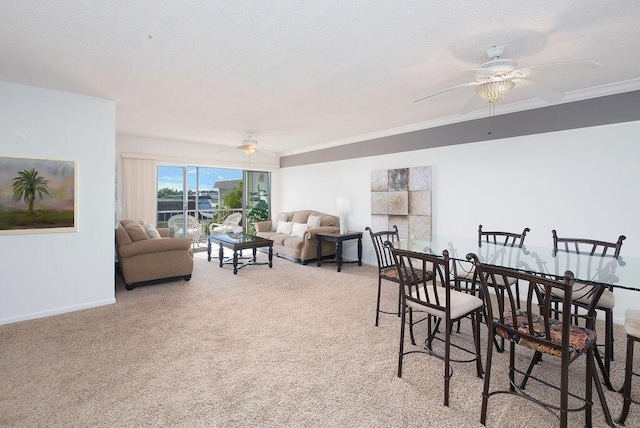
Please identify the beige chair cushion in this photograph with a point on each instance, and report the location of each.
(632, 322)
(582, 293)
(461, 303)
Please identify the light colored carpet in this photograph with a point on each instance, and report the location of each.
(289, 346)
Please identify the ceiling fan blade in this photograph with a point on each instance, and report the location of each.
(446, 90)
(559, 67)
(538, 90)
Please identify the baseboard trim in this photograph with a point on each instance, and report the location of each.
(57, 311)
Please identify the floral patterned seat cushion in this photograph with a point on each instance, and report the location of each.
(391, 273)
(580, 338)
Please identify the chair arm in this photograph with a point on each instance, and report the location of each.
(263, 226)
(154, 246)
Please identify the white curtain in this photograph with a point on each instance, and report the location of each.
(139, 188)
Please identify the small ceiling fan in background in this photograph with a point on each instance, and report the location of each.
(495, 78)
(249, 145)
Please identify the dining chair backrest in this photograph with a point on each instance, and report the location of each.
(508, 239)
(587, 246)
(539, 289)
(425, 278)
(383, 253)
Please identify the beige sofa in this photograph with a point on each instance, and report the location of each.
(298, 244)
(142, 258)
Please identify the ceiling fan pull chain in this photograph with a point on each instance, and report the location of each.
(492, 113)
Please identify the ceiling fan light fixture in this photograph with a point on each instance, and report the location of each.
(495, 91)
(249, 149)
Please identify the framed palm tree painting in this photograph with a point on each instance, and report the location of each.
(38, 195)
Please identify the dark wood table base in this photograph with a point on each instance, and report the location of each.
(339, 238)
(237, 244)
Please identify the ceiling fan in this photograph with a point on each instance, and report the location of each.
(249, 145)
(495, 78)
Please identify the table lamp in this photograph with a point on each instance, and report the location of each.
(344, 205)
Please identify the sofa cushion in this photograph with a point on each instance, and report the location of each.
(299, 229)
(284, 227)
(279, 238)
(150, 229)
(293, 242)
(267, 235)
(135, 231)
(314, 221)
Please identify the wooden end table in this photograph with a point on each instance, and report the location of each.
(339, 237)
(237, 243)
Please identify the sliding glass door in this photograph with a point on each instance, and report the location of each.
(195, 197)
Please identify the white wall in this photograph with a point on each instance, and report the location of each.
(582, 182)
(51, 273)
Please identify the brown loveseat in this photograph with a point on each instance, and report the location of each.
(300, 243)
(141, 258)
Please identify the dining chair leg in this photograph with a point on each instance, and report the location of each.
(628, 373)
(378, 302)
(588, 388)
(512, 366)
(475, 320)
(487, 381)
(447, 357)
(608, 336)
(413, 339)
(401, 351)
(601, 396)
(605, 373)
(537, 357)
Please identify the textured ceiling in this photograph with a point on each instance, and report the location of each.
(303, 75)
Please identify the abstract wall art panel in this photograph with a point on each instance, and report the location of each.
(402, 197)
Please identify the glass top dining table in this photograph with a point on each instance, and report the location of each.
(622, 273)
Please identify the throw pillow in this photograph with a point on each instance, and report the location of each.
(299, 229)
(281, 217)
(284, 227)
(135, 230)
(150, 229)
(314, 221)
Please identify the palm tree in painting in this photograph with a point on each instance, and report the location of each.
(29, 184)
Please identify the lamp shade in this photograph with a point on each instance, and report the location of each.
(343, 203)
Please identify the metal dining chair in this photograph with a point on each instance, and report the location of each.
(584, 293)
(386, 264)
(539, 332)
(506, 239)
(426, 286)
(465, 278)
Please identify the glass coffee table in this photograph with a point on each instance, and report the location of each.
(238, 242)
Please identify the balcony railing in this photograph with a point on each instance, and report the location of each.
(205, 217)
